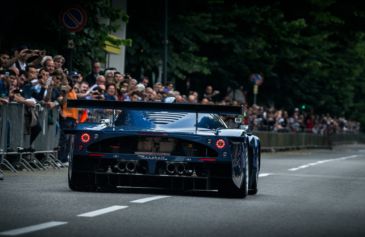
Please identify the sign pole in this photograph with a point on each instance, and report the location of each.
(255, 92)
(257, 79)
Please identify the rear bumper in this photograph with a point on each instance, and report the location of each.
(151, 173)
(153, 181)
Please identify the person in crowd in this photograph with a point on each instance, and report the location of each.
(236, 94)
(309, 123)
(169, 87)
(22, 55)
(39, 89)
(145, 81)
(59, 61)
(98, 89)
(84, 92)
(76, 77)
(109, 76)
(150, 94)
(111, 92)
(192, 99)
(30, 80)
(95, 72)
(5, 85)
(123, 92)
(158, 87)
(4, 60)
(68, 119)
(132, 84)
(119, 79)
(53, 96)
(205, 101)
(210, 94)
(33, 126)
(180, 99)
(135, 96)
(49, 65)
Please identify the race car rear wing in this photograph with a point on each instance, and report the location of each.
(156, 106)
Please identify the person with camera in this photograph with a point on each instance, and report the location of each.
(16, 95)
(24, 57)
(98, 89)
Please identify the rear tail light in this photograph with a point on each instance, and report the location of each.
(207, 159)
(95, 155)
(85, 137)
(220, 143)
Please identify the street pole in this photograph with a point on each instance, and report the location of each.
(166, 41)
(255, 92)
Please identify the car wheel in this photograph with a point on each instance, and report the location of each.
(254, 167)
(77, 181)
(230, 189)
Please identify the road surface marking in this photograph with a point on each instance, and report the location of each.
(264, 174)
(353, 178)
(144, 200)
(321, 162)
(102, 211)
(33, 228)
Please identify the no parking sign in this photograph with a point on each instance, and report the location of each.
(256, 79)
(74, 18)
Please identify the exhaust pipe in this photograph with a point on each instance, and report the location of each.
(180, 169)
(170, 168)
(120, 166)
(131, 166)
(189, 171)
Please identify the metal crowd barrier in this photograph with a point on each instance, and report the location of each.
(15, 148)
(271, 141)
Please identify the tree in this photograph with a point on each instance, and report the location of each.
(88, 44)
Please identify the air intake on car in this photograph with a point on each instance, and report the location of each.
(164, 117)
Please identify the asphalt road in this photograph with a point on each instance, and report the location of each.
(301, 193)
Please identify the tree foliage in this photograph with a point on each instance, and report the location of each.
(87, 45)
(310, 52)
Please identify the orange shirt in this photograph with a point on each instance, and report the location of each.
(70, 112)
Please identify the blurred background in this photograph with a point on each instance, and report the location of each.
(308, 55)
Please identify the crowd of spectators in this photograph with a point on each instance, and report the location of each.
(31, 77)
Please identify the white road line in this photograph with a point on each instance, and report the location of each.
(264, 174)
(33, 228)
(102, 211)
(321, 162)
(144, 200)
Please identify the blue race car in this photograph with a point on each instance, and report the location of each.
(169, 145)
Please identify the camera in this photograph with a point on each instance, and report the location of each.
(17, 91)
(64, 88)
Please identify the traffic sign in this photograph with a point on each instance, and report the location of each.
(256, 79)
(74, 18)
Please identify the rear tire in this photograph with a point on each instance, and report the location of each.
(78, 182)
(230, 189)
(253, 174)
